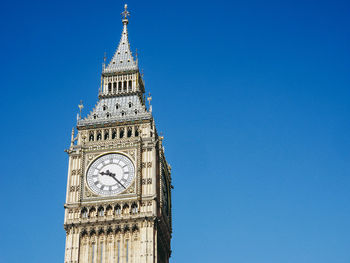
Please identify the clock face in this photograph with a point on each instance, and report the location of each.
(110, 174)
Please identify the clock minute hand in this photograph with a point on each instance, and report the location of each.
(113, 176)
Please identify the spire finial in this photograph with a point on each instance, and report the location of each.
(149, 98)
(125, 14)
(80, 106)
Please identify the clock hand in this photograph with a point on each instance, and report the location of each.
(113, 176)
(106, 173)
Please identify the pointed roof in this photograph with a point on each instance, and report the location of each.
(122, 59)
(117, 109)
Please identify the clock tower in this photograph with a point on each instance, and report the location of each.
(118, 201)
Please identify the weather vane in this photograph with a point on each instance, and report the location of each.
(126, 13)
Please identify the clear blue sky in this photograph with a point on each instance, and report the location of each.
(253, 98)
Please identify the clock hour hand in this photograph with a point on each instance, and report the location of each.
(106, 173)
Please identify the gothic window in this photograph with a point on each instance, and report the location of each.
(108, 115)
(136, 131)
(117, 210)
(99, 136)
(117, 106)
(95, 116)
(92, 212)
(125, 83)
(101, 211)
(129, 132)
(135, 112)
(84, 213)
(91, 137)
(123, 113)
(109, 87)
(130, 104)
(109, 231)
(84, 233)
(92, 232)
(119, 86)
(134, 208)
(104, 107)
(114, 134)
(126, 228)
(109, 211)
(106, 135)
(125, 209)
(130, 85)
(114, 87)
(134, 228)
(121, 133)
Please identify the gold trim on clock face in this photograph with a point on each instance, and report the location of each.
(110, 174)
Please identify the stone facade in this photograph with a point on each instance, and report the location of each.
(133, 226)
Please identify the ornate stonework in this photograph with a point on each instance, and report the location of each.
(134, 225)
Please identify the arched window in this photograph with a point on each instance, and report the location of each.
(92, 233)
(134, 208)
(125, 209)
(129, 132)
(109, 231)
(114, 134)
(134, 228)
(125, 83)
(95, 116)
(101, 211)
(84, 233)
(109, 210)
(109, 87)
(130, 85)
(106, 135)
(135, 112)
(130, 104)
(104, 107)
(116, 106)
(121, 133)
(84, 213)
(101, 232)
(91, 137)
(114, 87)
(117, 210)
(108, 115)
(136, 132)
(123, 113)
(92, 212)
(99, 136)
(120, 86)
